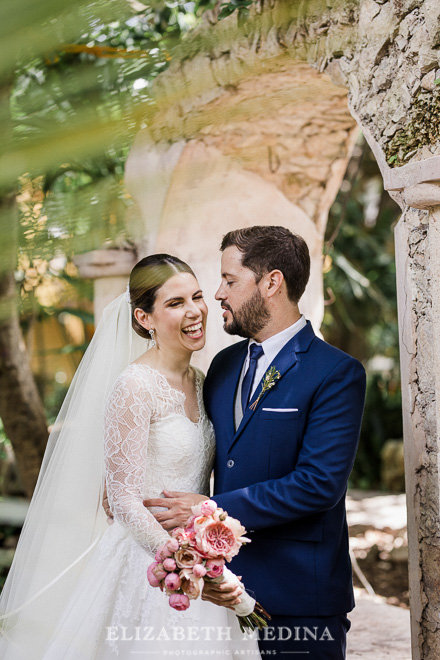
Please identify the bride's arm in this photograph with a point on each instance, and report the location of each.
(126, 431)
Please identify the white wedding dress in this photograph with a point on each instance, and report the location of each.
(150, 445)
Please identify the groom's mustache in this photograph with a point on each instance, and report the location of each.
(225, 306)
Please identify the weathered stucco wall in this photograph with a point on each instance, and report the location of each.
(210, 195)
(391, 76)
(277, 157)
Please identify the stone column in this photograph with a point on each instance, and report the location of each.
(418, 278)
(109, 270)
(416, 187)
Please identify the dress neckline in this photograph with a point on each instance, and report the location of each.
(181, 392)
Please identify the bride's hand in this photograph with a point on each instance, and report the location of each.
(224, 594)
(178, 505)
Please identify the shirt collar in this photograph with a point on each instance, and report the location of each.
(273, 345)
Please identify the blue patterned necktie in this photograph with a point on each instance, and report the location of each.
(255, 352)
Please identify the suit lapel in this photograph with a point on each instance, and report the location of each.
(283, 362)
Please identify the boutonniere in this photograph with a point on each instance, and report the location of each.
(269, 381)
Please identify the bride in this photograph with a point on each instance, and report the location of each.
(133, 421)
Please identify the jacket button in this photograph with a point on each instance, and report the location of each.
(230, 463)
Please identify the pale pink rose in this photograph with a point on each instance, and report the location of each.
(196, 510)
(236, 527)
(207, 508)
(158, 571)
(187, 558)
(217, 540)
(172, 545)
(182, 536)
(180, 602)
(215, 567)
(190, 585)
(158, 556)
(200, 524)
(199, 570)
(169, 564)
(172, 581)
(201, 521)
(218, 515)
(152, 579)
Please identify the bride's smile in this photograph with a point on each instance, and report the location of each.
(194, 331)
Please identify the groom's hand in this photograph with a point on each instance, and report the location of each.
(178, 505)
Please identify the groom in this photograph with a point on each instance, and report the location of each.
(284, 453)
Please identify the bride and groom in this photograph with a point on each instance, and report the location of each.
(285, 408)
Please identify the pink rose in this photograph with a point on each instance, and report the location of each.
(217, 540)
(158, 571)
(169, 564)
(180, 602)
(158, 556)
(187, 558)
(164, 552)
(172, 581)
(199, 570)
(207, 508)
(172, 545)
(152, 579)
(215, 567)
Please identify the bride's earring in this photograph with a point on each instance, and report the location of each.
(153, 341)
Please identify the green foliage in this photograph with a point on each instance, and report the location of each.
(361, 312)
(359, 268)
(4, 443)
(78, 88)
(79, 94)
(76, 108)
(382, 421)
(242, 6)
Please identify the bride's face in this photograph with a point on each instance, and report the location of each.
(179, 315)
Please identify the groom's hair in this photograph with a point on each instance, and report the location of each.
(267, 248)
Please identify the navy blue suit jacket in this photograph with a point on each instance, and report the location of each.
(284, 474)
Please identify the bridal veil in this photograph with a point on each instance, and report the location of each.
(65, 518)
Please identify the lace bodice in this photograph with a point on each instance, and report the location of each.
(150, 445)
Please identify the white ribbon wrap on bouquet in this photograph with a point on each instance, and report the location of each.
(247, 604)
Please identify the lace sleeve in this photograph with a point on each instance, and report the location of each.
(126, 430)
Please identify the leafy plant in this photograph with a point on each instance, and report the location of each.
(241, 6)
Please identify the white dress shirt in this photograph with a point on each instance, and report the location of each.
(271, 348)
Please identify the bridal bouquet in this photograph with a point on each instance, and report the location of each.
(198, 552)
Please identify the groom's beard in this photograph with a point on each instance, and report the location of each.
(250, 318)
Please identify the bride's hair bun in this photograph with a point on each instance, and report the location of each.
(146, 278)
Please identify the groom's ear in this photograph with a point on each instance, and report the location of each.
(274, 282)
